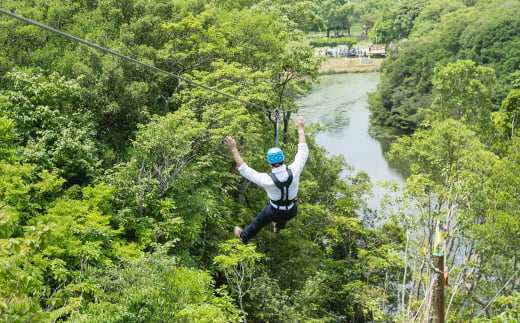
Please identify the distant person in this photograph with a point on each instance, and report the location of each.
(281, 185)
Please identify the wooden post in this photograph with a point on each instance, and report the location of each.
(439, 252)
(438, 298)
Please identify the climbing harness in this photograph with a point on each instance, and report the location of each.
(284, 189)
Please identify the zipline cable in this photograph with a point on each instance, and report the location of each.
(61, 33)
(498, 293)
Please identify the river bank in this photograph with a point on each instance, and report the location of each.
(333, 65)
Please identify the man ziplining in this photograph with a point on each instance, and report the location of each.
(281, 185)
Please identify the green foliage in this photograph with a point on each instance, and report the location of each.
(53, 130)
(355, 281)
(503, 214)
(507, 118)
(443, 32)
(170, 191)
(237, 261)
(493, 41)
(156, 289)
(452, 170)
(454, 173)
(404, 18)
(462, 92)
(181, 38)
(46, 247)
(304, 14)
(118, 197)
(7, 138)
(337, 15)
(443, 153)
(26, 189)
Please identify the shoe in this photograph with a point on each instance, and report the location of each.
(275, 229)
(238, 233)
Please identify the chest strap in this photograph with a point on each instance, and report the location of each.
(284, 189)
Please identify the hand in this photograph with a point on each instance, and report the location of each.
(299, 123)
(229, 141)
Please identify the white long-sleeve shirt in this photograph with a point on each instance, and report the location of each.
(265, 181)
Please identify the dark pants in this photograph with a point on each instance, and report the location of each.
(267, 215)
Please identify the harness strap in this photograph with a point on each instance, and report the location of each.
(284, 189)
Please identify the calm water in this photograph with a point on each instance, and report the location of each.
(339, 103)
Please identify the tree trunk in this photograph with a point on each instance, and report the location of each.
(438, 301)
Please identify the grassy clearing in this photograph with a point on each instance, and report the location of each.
(332, 65)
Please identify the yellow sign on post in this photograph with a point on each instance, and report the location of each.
(440, 234)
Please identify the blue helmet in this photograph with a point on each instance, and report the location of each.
(275, 156)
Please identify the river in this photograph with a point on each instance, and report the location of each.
(339, 103)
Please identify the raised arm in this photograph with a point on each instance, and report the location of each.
(300, 124)
(231, 143)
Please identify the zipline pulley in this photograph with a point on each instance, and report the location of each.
(276, 115)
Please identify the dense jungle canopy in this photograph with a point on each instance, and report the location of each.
(118, 197)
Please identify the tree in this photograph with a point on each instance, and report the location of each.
(404, 18)
(452, 173)
(462, 92)
(52, 129)
(336, 14)
(305, 14)
(507, 119)
(443, 31)
(237, 262)
(161, 152)
(49, 240)
(155, 289)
